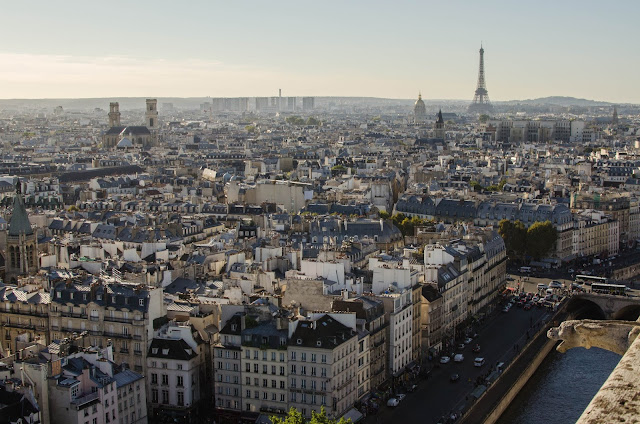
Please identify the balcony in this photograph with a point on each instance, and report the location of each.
(124, 350)
(137, 352)
(20, 325)
(117, 319)
(27, 313)
(137, 337)
(73, 315)
(117, 335)
(79, 402)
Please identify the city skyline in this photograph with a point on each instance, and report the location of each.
(84, 50)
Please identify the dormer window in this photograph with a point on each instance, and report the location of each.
(141, 302)
(318, 343)
(58, 294)
(233, 327)
(165, 351)
(299, 341)
(154, 350)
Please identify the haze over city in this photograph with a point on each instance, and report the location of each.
(379, 49)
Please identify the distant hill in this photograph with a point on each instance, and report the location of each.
(138, 103)
(558, 101)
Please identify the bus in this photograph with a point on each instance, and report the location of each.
(617, 289)
(525, 270)
(590, 279)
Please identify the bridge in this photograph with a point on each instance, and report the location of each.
(615, 327)
(603, 306)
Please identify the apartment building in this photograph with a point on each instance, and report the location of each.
(264, 368)
(323, 353)
(227, 364)
(120, 313)
(176, 369)
(24, 317)
(370, 311)
(398, 308)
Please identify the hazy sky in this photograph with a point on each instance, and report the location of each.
(391, 49)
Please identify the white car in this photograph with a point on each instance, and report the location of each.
(555, 285)
(393, 402)
(478, 362)
(458, 358)
(445, 360)
(468, 340)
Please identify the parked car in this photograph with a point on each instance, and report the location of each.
(454, 377)
(445, 360)
(499, 366)
(461, 346)
(506, 309)
(458, 358)
(542, 286)
(478, 362)
(555, 284)
(412, 388)
(468, 340)
(393, 402)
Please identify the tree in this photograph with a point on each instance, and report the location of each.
(313, 121)
(384, 215)
(476, 186)
(514, 235)
(295, 417)
(541, 237)
(483, 118)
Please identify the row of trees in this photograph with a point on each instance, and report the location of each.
(295, 417)
(405, 224)
(536, 241)
(298, 120)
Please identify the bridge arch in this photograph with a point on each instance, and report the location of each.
(581, 308)
(628, 313)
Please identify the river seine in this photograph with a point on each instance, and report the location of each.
(562, 387)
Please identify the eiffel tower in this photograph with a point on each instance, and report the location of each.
(481, 103)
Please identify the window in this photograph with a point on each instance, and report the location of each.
(179, 366)
(324, 359)
(154, 378)
(180, 398)
(247, 367)
(248, 394)
(273, 369)
(264, 369)
(281, 370)
(303, 357)
(293, 369)
(141, 302)
(165, 379)
(314, 357)
(180, 381)
(273, 356)
(255, 368)
(282, 357)
(281, 397)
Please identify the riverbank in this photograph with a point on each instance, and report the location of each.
(494, 401)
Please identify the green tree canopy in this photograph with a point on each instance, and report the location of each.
(295, 120)
(295, 417)
(541, 237)
(483, 118)
(515, 237)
